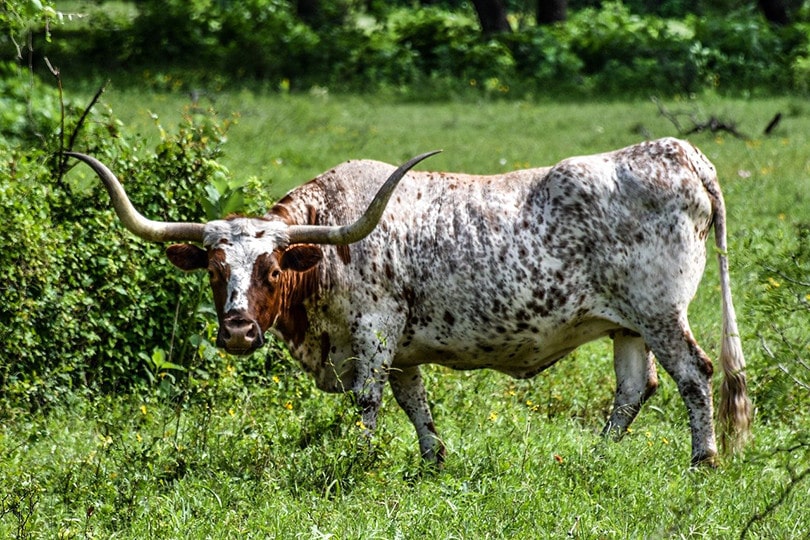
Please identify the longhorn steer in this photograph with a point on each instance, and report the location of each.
(510, 272)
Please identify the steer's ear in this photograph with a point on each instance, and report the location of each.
(301, 257)
(187, 257)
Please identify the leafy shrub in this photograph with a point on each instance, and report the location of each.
(86, 303)
(543, 55)
(177, 30)
(622, 51)
(258, 39)
(368, 58)
(449, 45)
(265, 40)
(663, 8)
(742, 51)
(23, 120)
(782, 304)
(800, 69)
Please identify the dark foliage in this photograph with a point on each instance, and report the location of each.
(611, 49)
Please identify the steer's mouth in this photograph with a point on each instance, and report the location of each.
(239, 335)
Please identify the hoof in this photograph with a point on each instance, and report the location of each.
(705, 460)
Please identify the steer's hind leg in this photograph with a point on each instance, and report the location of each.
(690, 367)
(636, 380)
(409, 392)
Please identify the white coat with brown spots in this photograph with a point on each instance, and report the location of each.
(509, 272)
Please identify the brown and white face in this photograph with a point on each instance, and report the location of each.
(254, 278)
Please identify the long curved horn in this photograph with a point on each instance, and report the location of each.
(348, 234)
(154, 231)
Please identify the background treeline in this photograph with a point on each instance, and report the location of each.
(511, 48)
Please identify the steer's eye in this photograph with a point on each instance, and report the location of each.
(274, 274)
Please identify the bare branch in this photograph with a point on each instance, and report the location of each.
(787, 278)
(796, 381)
(794, 353)
(63, 149)
(713, 124)
(672, 117)
(772, 124)
(765, 347)
(760, 516)
(61, 158)
(789, 345)
(84, 115)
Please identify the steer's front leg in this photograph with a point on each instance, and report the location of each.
(374, 347)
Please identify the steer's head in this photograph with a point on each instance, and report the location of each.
(256, 277)
(256, 266)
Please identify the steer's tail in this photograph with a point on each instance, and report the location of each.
(734, 415)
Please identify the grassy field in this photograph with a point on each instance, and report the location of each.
(259, 453)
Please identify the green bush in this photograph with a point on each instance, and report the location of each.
(25, 119)
(781, 302)
(176, 30)
(743, 52)
(449, 45)
(623, 52)
(85, 302)
(258, 39)
(367, 58)
(543, 55)
(265, 40)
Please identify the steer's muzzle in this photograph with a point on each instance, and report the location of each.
(239, 334)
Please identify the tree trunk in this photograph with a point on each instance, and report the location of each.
(552, 11)
(775, 11)
(307, 10)
(492, 15)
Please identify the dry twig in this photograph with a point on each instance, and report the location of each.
(713, 124)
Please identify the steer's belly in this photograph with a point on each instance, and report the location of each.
(520, 355)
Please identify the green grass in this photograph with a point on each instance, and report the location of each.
(260, 454)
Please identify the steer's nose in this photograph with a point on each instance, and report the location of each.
(239, 335)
